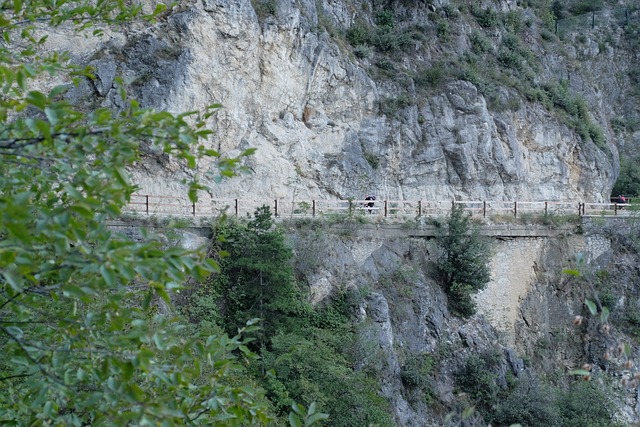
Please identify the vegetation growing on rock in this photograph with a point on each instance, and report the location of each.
(464, 261)
(304, 351)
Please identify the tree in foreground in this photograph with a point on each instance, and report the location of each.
(82, 339)
(463, 262)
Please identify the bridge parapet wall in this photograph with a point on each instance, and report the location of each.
(518, 251)
(608, 224)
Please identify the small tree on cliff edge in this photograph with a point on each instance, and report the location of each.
(463, 263)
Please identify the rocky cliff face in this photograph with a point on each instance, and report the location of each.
(334, 120)
(525, 318)
(330, 123)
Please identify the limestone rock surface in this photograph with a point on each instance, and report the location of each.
(317, 114)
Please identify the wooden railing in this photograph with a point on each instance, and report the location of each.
(206, 207)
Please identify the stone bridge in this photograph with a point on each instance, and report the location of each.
(517, 252)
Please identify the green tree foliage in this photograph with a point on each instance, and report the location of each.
(83, 337)
(304, 349)
(528, 402)
(574, 112)
(416, 371)
(464, 261)
(478, 377)
(486, 17)
(385, 20)
(628, 182)
(309, 365)
(256, 280)
(385, 35)
(585, 403)
(581, 7)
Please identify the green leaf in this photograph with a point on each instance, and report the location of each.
(193, 195)
(159, 342)
(16, 282)
(73, 290)
(73, 192)
(47, 410)
(122, 176)
(44, 128)
(15, 331)
(81, 374)
(37, 99)
(604, 315)
(571, 272)
(127, 371)
(591, 306)
(160, 7)
(68, 377)
(147, 300)
(580, 372)
(18, 231)
(298, 409)
(134, 392)
(312, 408)
(162, 293)
(312, 419)
(294, 420)
(52, 115)
(58, 90)
(108, 276)
(4, 22)
(20, 79)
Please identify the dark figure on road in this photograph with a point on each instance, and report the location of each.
(370, 204)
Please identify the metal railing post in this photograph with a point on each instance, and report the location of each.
(484, 209)
(515, 209)
(313, 208)
(385, 208)
(193, 208)
(275, 208)
(146, 203)
(546, 206)
(453, 205)
(615, 208)
(419, 208)
(236, 206)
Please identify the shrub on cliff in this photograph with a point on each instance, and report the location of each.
(304, 350)
(257, 280)
(463, 262)
(628, 182)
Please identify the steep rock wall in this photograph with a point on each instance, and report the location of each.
(314, 112)
(526, 312)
